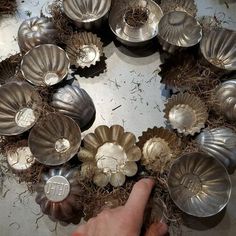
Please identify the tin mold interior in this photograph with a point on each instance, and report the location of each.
(199, 185)
(108, 155)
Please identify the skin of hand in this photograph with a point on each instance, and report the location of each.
(125, 220)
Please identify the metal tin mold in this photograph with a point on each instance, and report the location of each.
(20, 160)
(74, 102)
(199, 185)
(19, 109)
(55, 139)
(84, 49)
(35, 31)
(45, 65)
(109, 155)
(46, 10)
(59, 194)
(225, 99)
(135, 35)
(188, 6)
(218, 47)
(179, 29)
(219, 143)
(88, 14)
(186, 113)
(159, 148)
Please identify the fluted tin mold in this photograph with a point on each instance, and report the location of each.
(60, 195)
(45, 65)
(74, 102)
(35, 31)
(84, 49)
(199, 185)
(20, 108)
(46, 10)
(180, 29)
(219, 143)
(135, 34)
(88, 14)
(225, 99)
(218, 47)
(186, 113)
(159, 148)
(55, 139)
(188, 6)
(109, 155)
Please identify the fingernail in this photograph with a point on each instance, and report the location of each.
(148, 181)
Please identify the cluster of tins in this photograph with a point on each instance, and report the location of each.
(198, 183)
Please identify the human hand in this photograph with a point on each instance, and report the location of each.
(125, 220)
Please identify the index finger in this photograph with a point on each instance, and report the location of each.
(139, 197)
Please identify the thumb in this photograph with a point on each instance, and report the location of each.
(157, 229)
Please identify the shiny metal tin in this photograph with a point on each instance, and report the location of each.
(188, 6)
(20, 108)
(139, 35)
(218, 47)
(84, 49)
(225, 99)
(199, 185)
(74, 102)
(88, 14)
(219, 143)
(186, 113)
(35, 31)
(55, 139)
(21, 159)
(109, 155)
(159, 148)
(178, 28)
(59, 194)
(45, 65)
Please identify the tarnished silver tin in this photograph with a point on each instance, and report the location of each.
(74, 102)
(21, 159)
(88, 14)
(219, 143)
(135, 35)
(186, 113)
(188, 6)
(35, 31)
(59, 194)
(20, 108)
(218, 47)
(180, 29)
(199, 185)
(46, 10)
(45, 65)
(55, 139)
(109, 155)
(84, 49)
(225, 99)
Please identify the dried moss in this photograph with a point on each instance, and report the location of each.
(8, 7)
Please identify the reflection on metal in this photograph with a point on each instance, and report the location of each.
(178, 28)
(84, 49)
(88, 14)
(45, 65)
(20, 108)
(218, 47)
(59, 194)
(199, 185)
(135, 35)
(159, 148)
(35, 31)
(219, 143)
(74, 102)
(21, 159)
(225, 99)
(55, 139)
(186, 113)
(108, 155)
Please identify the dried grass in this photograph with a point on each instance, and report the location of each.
(7, 7)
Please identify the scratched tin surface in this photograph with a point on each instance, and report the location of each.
(130, 94)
